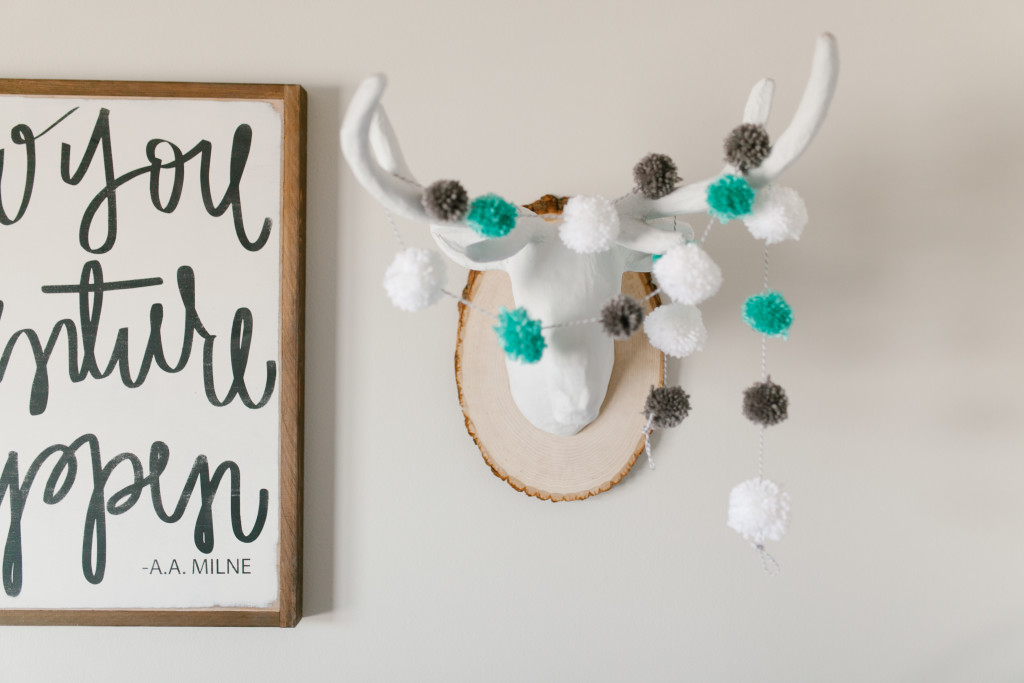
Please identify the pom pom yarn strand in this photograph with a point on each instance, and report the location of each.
(747, 146)
(415, 279)
(520, 336)
(589, 225)
(491, 216)
(446, 201)
(656, 176)
(676, 329)
(730, 197)
(621, 317)
(666, 407)
(759, 511)
(687, 274)
(765, 403)
(769, 314)
(778, 214)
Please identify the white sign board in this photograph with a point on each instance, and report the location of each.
(141, 266)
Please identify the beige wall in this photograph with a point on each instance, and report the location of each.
(905, 451)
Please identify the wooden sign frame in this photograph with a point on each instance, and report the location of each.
(290, 102)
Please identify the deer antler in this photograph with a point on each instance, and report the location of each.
(810, 114)
(365, 133)
(371, 148)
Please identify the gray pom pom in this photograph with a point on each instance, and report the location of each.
(621, 317)
(747, 146)
(655, 176)
(446, 201)
(765, 403)
(666, 406)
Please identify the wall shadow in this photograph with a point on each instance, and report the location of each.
(323, 167)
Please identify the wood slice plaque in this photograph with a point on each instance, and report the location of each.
(531, 460)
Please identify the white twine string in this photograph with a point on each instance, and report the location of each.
(647, 442)
(408, 180)
(766, 265)
(760, 455)
(394, 229)
(768, 563)
(764, 357)
(707, 230)
(764, 374)
(585, 321)
(469, 303)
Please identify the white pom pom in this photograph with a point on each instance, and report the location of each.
(415, 278)
(779, 214)
(687, 274)
(676, 329)
(589, 224)
(759, 510)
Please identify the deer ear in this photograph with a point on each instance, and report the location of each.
(465, 248)
(501, 248)
(637, 235)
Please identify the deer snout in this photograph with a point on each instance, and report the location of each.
(572, 404)
(563, 392)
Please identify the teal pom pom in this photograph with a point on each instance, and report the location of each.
(730, 197)
(769, 314)
(491, 216)
(520, 336)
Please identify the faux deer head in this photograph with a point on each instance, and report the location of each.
(564, 390)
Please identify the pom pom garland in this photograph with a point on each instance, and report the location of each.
(656, 176)
(730, 197)
(687, 274)
(666, 407)
(491, 216)
(747, 146)
(520, 335)
(676, 329)
(768, 313)
(621, 316)
(759, 511)
(445, 201)
(636, 233)
(765, 403)
(778, 214)
(589, 225)
(415, 279)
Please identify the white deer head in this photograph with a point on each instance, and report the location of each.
(563, 392)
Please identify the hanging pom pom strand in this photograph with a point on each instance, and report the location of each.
(520, 335)
(765, 403)
(730, 197)
(778, 214)
(747, 146)
(768, 313)
(621, 316)
(415, 279)
(656, 176)
(759, 511)
(589, 224)
(491, 216)
(687, 274)
(666, 407)
(676, 329)
(446, 201)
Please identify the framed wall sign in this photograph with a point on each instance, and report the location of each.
(151, 352)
